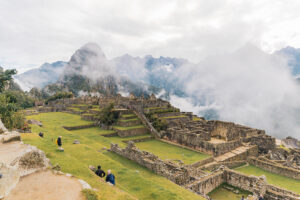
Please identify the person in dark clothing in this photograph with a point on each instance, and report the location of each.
(110, 178)
(59, 142)
(243, 198)
(100, 172)
(260, 198)
(41, 134)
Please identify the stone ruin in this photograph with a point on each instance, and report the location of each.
(229, 144)
(201, 182)
(175, 172)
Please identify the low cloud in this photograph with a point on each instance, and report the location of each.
(249, 87)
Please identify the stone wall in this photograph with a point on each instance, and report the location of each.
(131, 132)
(208, 183)
(224, 130)
(256, 185)
(275, 168)
(172, 171)
(264, 142)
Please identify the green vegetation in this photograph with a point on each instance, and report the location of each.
(10, 113)
(158, 123)
(128, 116)
(59, 95)
(167, 151)
(155, 108)
(107, 116)
(129, 120)
(157, 111)
(196, 118)
(132, 180)
(221, 193)
(283, 147)
(171, 117)
(123, 128)
(90, 194)
(6, 77)
(273, 179)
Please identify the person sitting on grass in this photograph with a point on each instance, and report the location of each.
(110, 178)
(100, 172)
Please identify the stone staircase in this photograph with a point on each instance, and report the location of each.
(239, 153)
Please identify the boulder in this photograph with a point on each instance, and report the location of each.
(10, 137)
(76, 142)
(91, 167)
(10, 178)
(290, 142)
(32, 121)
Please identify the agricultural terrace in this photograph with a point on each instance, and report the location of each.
(132, 180)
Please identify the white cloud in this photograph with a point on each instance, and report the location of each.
(248, 87)
(33, 31)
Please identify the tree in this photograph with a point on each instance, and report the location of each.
(107, 116)
(6, 77)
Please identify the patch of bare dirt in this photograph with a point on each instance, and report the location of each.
(46, 185)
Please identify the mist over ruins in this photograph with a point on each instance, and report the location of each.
(139, 100)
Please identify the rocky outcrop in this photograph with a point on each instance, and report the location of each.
(32, 160)
(10, 137)
(290, 142)
(9, 178)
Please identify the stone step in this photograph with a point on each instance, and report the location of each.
(230, 155)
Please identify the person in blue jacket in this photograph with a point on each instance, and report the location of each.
(110, 178)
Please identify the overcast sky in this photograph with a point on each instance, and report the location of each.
(36, 31)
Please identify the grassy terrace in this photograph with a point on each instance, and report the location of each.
(132, 180)
(154, 108)
(128, 128)
(221, 193)
(167, 151)
(128, 115)
(172, 117)
(273, 179)
(128, 120)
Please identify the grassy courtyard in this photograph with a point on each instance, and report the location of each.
(167, 151)
(132, 180)
(273, 179)
(221, 193)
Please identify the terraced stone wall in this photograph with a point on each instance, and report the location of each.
(172, 171)
(275, 168)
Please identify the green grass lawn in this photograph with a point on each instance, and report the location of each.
(132, 180)
(129, 120)
(122, 128)
(273, 179)
(128, 115)
(168, 151)
(221, 193)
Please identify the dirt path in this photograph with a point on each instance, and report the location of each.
(46, 186)
(10, 151)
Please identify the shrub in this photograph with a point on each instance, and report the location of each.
(90, 194)
(60, 95)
